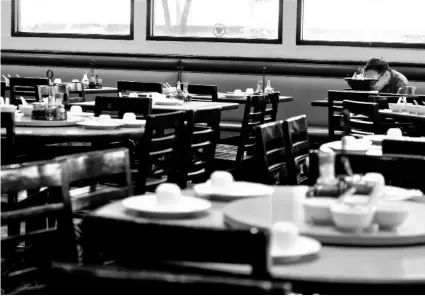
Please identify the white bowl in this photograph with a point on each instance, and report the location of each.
(221, 179)
(396, 107)
(318, 210)
(167, 193)
(8, 108)
(352, 217)
(26, 109)
(390, 214)
(394, 132)
(411, 108)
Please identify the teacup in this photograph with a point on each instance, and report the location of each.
(167, 193)
(238, 92)
(26, 109)
(284, 235)
(221, 179)
(129, 117)
(394, 132)
(57, 81)
(249, 91)
(76, 109)
(104, 117)
(133, 95)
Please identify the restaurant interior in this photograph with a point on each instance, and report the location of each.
(212, 147)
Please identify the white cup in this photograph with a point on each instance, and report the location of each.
(221, 179)
(129, 117)
(238, 92)
(57, 80)
(104, 117)
(394, 132)
(76, 109)
(133, 95)
(167, 194)
(284, 235)
(249, 91)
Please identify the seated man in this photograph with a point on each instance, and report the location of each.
(389, 80)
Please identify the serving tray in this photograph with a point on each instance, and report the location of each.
(263, 212)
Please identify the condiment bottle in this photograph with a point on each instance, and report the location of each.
(268, 88)
(85, 80)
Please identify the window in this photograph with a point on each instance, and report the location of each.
(250, 21)
(395, 23)
(105, 19)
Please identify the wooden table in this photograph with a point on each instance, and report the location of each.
(347, 265)
(193, 105)
(403, 116)
(242, 100)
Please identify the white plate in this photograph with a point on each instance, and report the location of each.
(233, 95)
(170, 101)
(236, 190)
(92, 124)
(130, 123)
(361, 145)
(184, 207)
(303, 248)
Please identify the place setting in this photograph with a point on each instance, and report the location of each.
(167, 202)
(222, 187)
(105, 121)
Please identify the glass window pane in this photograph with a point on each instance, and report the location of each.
(388, 21)
(248, 19)
(102, 17)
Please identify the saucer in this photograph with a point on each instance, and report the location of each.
(303, 248)
(362, 145)
(235, 190)
(183, 207)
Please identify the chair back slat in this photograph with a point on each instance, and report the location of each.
(160, 149)
(135, 86)
(202, 135)
(26, 87)
(117, 106)
(369, 123)
(199, 89)
(298, 149)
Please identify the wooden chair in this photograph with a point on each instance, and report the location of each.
(2, 89)
(8, 148)
(272, 154)
(92, 170)
(117, 106)
(176, 247)
(96, 280)
(335, 99)
(160, 150)
(27, 256)
(199, 89)
(233, 157)
(298, 149)
(369, 123)
(75, 93)
(133, 86)
(202, 135)
(272, 105)
(399, 170)
(414, 146)
(25, 87)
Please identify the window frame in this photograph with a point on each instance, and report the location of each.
(301, 41)
(151, 37)
(16, 33)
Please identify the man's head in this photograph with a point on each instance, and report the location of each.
(378, 69)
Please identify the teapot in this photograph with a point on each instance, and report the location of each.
(406, 90)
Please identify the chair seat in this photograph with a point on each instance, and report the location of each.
(230, 126)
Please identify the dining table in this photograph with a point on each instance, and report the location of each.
(335, 264)
(192, 105)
